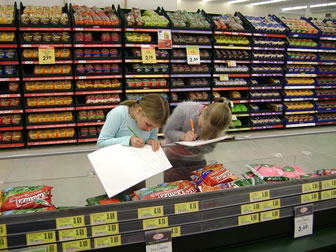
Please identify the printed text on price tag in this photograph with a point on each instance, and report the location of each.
(46, 54)
(148, 55)
(303, 221)
(193, 55)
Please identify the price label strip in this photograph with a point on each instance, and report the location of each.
(271, 204)
(102, 230)
(3, 230)
(40, 238)
(270, 215)
(310, 197)
(176, 231)
(187, 207)
(303, 221)
(80, 245)
(70, 222)
(311, 187)
(251, 208)
(3, 243)
(260, 195)
(223, 77)
(248, 219)
(330, 194)
(104, 218)
(193, 55)
(327, 184)
(150, 212)
(106, 242)
(46, 54)
(148, 55)
(48, 247)
(232, 63)
(161, 222)
(72, 234)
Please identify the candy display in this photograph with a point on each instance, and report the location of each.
(7, 53)
(228, 69)
(52, 69)
(264, 94)
(214, 174)
(266, 68)
(268, 81)
(9, 102)
(97, 53)
(301, 69)
(51, 133)
(189, 82)
(234, 95)
(45, 15)
(136, 52)
(49, 101)
(327, 57)
(131, 83)
(63, 37)
(254, 107)
(91, 115)
(10, 136)
(239, 108)
(190, 39)
(265, 24)
(300, 118)
(326, 69)
(228, 22)
(7, 36)
(302, 56)
(181, 53)
(6, 14)
(84, 15)
(97, 68)
(97, 99)
(184, 68)
(326, 105)
(328, 44)
(138, 37)
(10, 119)
(195, 96)
(186, 19)
(231, 40)
(265, 120)
(237, 123)
(295, 42)
(267, 42)
(267, 55)
(59, 53)
(326, 93)
(326, 117)
(299, 105)
(326, 81)
(267, 171)
(299, 81)
(50, 117)
(13, 86)
(327, 27)
(299, 25)
(140, 96)
(97, 37)
(232, 54)
(231, 82)
(150, 68)
(89, 131)
(299, 93)
(98, 84)
(47, 85)
(8, 70)
(147, 18)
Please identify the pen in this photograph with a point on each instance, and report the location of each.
(192, 125)
(132, 131)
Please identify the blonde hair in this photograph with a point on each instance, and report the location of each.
(216, 118)
(154, 107)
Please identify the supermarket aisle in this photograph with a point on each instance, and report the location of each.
(73, 178)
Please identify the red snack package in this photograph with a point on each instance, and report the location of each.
(22, 197)
(215, 174)
(206, 188)
(109, 201)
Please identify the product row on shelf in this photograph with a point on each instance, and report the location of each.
(266, 63)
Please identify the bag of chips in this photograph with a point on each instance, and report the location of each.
(215, 174)
(206, 188)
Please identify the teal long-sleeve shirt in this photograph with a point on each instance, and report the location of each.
(115, 129)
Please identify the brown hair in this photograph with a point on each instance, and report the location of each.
(216, 118)
(154, 107)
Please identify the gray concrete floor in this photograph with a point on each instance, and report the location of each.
(74, 180)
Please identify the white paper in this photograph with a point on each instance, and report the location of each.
(203, 142)
(303, 226)
(120, 167)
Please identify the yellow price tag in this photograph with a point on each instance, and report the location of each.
(76, 245)
(70, 222)
(41, 238)
(260, 195)
(327, 184)
(46, 54)
(103, 218)
(3, 230)
(187, 207)
(109, 241)
(310, 197)
(223, 77)
(310, 187)
(3, 243)
(50, 247)
(271, 204)
(232, 63)
(248, 219)
(148, 55)
(270, 215)
(150, 212)
(251, 208)
(330, 194)
(193, 55)
(176, 231)
(155, 223)
(105, 230)
(72, 234)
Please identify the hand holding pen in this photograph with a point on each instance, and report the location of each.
(190, 135)
(136, 141)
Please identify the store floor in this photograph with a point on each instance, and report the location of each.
(68, 170)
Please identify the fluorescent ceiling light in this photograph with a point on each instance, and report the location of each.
(237, 1)
(294, 8)
(266, 2)
(322, 5)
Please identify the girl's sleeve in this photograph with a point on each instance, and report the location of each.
(174, 127)
(108, 133)
(154, 134)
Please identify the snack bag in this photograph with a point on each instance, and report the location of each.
(23, 197)
(215, 174)
(206, 188)
(292, 171)
(266, 170)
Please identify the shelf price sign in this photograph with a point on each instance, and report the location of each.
(3, 230)
(161, 222)
(303, 221)
(3, 243)
(40, 238)
(80, 245)
(327, 184)
(310, 187)
(102, 230)
(46, 54)
(148, 55)
(149, 212)
(193, 55)
(106, 242)
(103, 218)
(186, 207)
